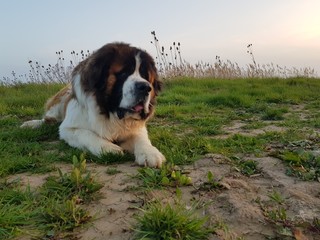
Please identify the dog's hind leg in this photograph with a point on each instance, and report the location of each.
(55, 109)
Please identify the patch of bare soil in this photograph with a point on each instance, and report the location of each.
(114, 211)
(238, 207)
(238, 127)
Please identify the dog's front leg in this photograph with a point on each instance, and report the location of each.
(145, 154)
(86, 139)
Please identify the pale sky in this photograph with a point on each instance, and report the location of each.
(284, 32)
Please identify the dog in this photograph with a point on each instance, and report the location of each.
(104, 109)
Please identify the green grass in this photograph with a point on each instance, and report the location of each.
(190, 114)
(190, 119)
(50, 211)
(167, 175)
(170, 221)
(246, 167)
(302, 164)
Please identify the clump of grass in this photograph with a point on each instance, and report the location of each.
(58, 204)
(78, 183)
(211, 183)
(167, 175)
(274, 114)
(276, 197)
(246, 167)
(16, 208)
(63, 215)
(302, 164)
(238, 143)
(276, 213)
(170, 221)
(112, 171)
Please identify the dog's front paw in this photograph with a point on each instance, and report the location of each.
(105, 148)
(149, 156)
(111, 148)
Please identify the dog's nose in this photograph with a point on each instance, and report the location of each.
(143, 88)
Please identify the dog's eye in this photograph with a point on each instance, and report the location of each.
(143, 71)
(122, 74)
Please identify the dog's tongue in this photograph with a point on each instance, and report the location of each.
(138, 108)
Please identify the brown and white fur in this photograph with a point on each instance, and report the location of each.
(107, 104)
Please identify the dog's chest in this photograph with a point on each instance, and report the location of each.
(114, 129)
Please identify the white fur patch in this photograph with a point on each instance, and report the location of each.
(32, 124)
(128, 91)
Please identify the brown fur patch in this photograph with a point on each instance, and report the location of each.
(152, 80)
(111, 80)
(50, 120)
(56, 99)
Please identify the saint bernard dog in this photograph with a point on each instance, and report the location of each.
(107, 104)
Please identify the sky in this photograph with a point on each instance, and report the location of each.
(285, 32)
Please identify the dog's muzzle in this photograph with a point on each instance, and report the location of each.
(141, 93)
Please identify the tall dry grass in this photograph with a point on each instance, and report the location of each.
(60, 72)
(170, 64)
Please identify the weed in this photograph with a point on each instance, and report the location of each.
(246, 167)
(159, 221)
(211, 183)
(273, 114)
(63, 215)
(167, 175)
(112, 171)
(278, 214)
(276, 197)
(302, 164)
(78, 183)
(171, 64)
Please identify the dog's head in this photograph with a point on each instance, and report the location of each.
(123, 80)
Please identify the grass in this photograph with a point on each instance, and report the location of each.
(211, 184)
(303, 164)
(167, 175)
(179, 131)
(190, 122)
(170, 64)
(53, 210)
(246, 167)
(171, 221)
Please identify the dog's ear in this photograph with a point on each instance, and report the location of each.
(153, 75)
(157, 85)
(96, 71)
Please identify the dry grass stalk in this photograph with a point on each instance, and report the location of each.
(170, 65)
